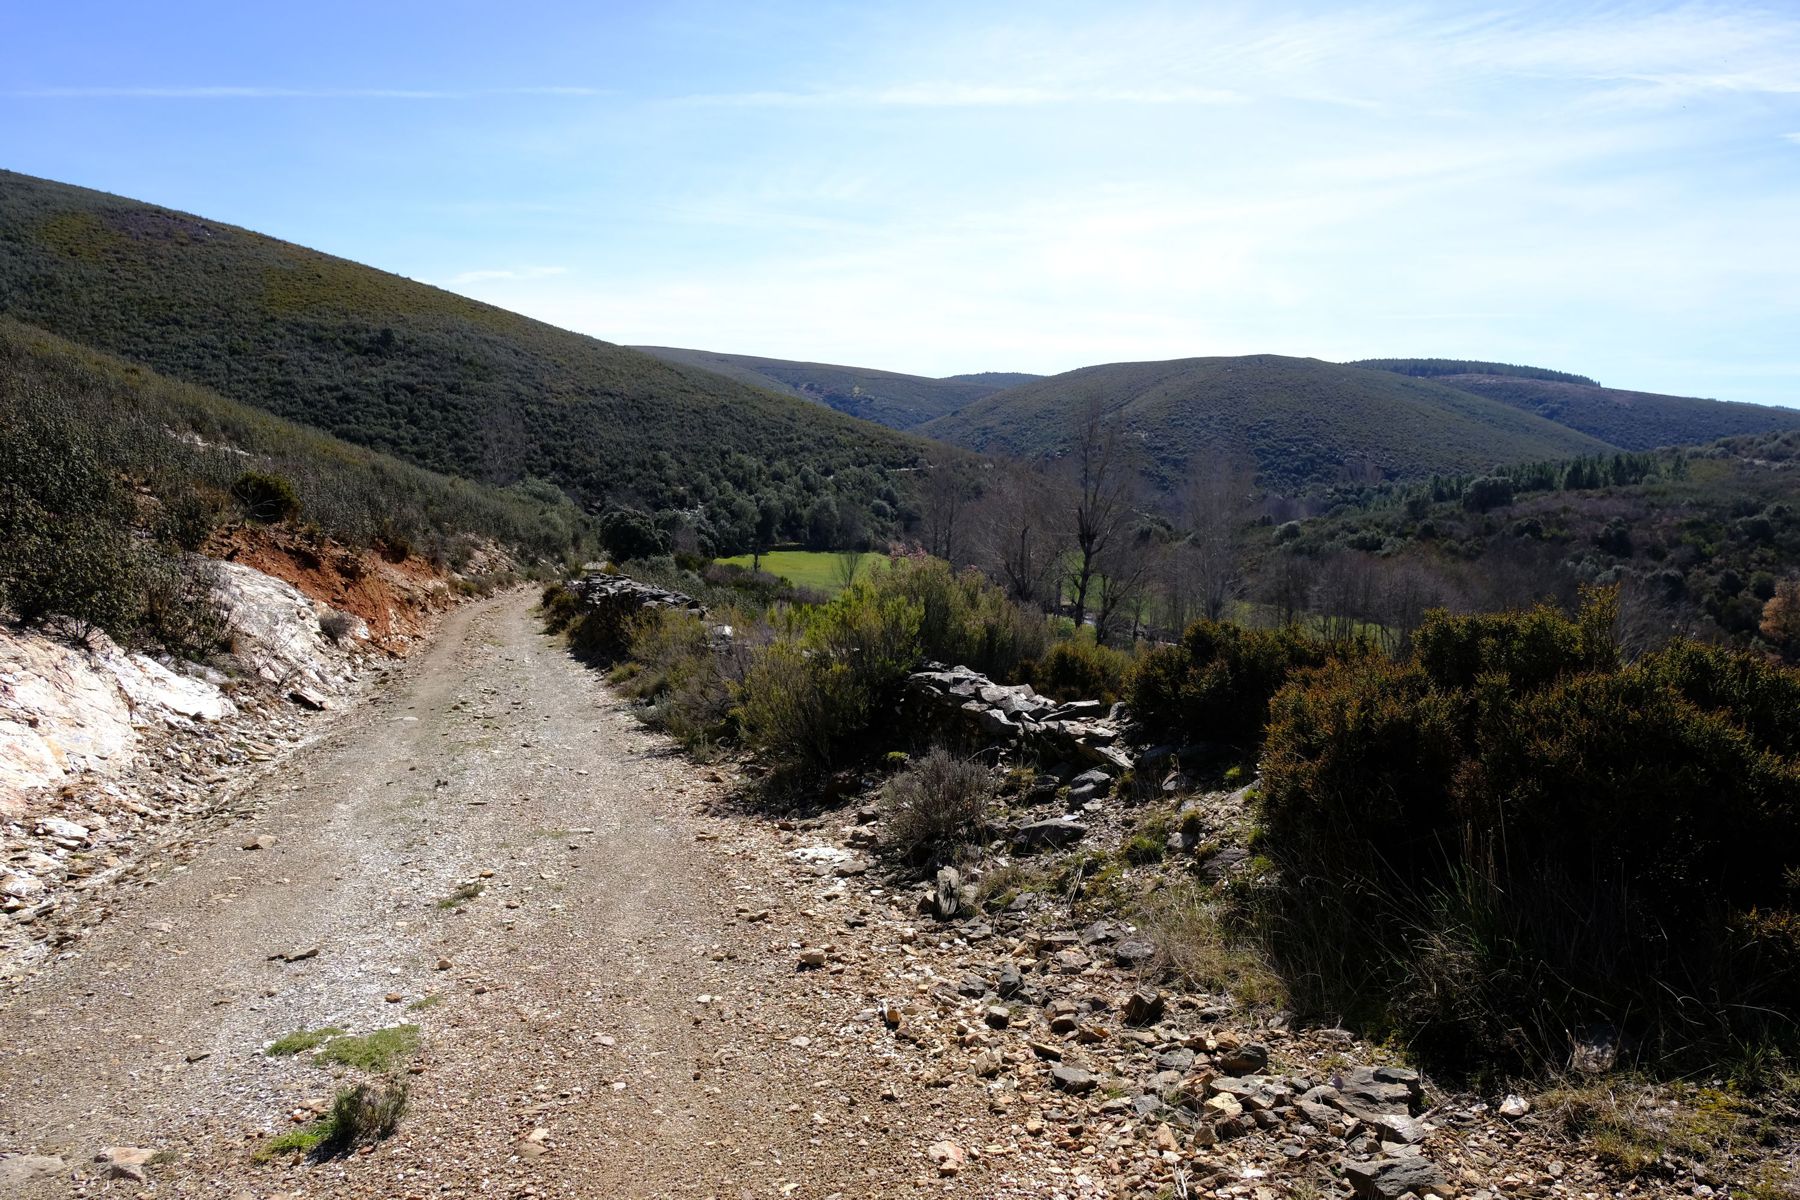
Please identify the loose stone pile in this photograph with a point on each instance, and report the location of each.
(968, 705)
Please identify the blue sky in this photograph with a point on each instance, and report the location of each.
(1606, 188)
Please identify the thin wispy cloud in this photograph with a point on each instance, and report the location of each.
(228, 92)
(964, 95)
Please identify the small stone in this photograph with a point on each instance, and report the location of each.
(1073, 1080)
(262, 841)
(949, 1157)
(443, 964)
(997, 1017)
(1250, 1059)
(1514, 1107)
(1391, 1178)
(21, 1169)
(394, 997)
(1144, 1007)
(1134, 953)
(812, 959)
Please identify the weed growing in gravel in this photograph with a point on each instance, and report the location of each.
(464, 893)
(373, 1052)
(302, 1039)
(425, 1002)
(361, 1114)
(1184, 923)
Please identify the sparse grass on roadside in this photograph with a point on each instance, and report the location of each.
(464, 893)
(1184, 923)
(373, 1052)
(363, 1114)
(301, 1040)
(1634, 1126)
(425, 1002)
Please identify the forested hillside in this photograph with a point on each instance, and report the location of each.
(887, 397)
(1301, 422)
(437, 379)
(1628, 420)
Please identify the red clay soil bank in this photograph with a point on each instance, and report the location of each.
(395, 599)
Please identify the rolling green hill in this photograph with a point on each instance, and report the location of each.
(1629, 420)
(886, 397)
(1301, 421)
(431, 377)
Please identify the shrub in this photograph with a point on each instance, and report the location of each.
(178, 608)
(266, 497)
(688, 679)
(1080, 669)
(963, 617)
(1215, 685)
(936, 805)
(1516, 836)
(809, 693)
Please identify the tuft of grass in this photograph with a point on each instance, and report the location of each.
(373, 1052)
(425, 1002)
(302, 1040)
(1202, 952)
(360, 1115)
(464, 893)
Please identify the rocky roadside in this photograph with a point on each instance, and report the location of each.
(1058, 1058)
(157, 756)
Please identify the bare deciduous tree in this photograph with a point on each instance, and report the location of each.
(947, 494)
(1022, 542)
(1215, 505)
(1103, 480)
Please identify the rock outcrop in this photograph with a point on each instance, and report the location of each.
(80, 710)
(961, 701)
(598, 590)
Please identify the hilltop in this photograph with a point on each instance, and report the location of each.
(1628, 420)
(887, 397)
(1302, 422)
(434, 378)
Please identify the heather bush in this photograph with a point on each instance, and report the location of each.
(1080, 669)
(810, 693)
(936, 805)
(1516, 836)
(1215, 685)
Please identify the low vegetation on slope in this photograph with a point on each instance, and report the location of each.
(1439, 368)
(1303, 423)
(431, 377)
(885, 397)
(1629, 420)
(112, 476)
(1516, 837)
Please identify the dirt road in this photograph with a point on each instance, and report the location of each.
(610, 1016)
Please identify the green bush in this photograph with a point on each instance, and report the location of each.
(689, 680)
(810, 693)
(964, 618)
(1215, 685)
(1516, 836)
(266, 497)
(1080, 669)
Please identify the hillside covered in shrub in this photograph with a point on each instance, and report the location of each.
(888, 398)
(1303, 423)
(430, 377)
(111, 476)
